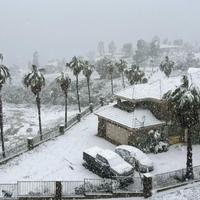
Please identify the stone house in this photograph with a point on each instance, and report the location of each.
(139, 109)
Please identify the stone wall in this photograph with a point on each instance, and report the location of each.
(117, 134)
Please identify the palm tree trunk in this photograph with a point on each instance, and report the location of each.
(111, 79)
(39, 114)
(77, 90)
(66, 110)
(189, 167)
(88, 85)
(1, 124)
(123, 84)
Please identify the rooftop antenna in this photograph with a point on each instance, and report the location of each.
(133, 119)
(160, 88)
(143, 120)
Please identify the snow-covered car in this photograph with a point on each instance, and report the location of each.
(106, 163)
(135, 157)
(113, 164)
(89, 156)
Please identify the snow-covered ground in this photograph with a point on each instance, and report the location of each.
(61, 158)
(21, 121)
(189, 192)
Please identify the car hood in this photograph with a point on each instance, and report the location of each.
(122, 168)
(146, 161)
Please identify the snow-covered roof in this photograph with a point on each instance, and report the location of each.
(149, 91)
(167, 46)
(140, 91)
(137, 119)
(93, 151)
(192, 70)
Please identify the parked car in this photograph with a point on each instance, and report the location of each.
(113, 164)
(135, 157)
(89, 156)
(106, 163)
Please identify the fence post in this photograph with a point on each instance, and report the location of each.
(91, 107)
(102, 101)
(30, 143)
(84, 186)
(78, 116)
(17, 188)
(111, 186)
(147, 185)
(58, 195)
(61, 129)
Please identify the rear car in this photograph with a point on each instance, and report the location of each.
(135, 157)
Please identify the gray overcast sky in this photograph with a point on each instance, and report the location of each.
(62, 28)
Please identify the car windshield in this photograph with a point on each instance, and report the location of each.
(138, 155)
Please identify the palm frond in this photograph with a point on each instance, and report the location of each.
(35, 80)
(4, 74)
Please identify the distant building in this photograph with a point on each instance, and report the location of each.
(166, 48)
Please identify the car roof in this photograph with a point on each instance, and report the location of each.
(108, 154)
(129, 148)
(93, 151)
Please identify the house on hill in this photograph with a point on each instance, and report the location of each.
(138, 111)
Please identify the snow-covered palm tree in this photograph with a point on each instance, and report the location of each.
(110, 70)
(36, 81)
(121, 65)
(4, 75)
(64, 81)
(76, 65)
(1, 57)
(184, 103)
(166, 66)
(134, 74)
(87, 72)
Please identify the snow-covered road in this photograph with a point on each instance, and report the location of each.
(60, 159)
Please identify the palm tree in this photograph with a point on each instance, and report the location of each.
(76, 65)
(1, 57)
(110, 70)
(64, 81)
(166, 66)
(4, 75)
(122, 65)
(184, 103)
(87, 72)
(134, 75)
(36, 81)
